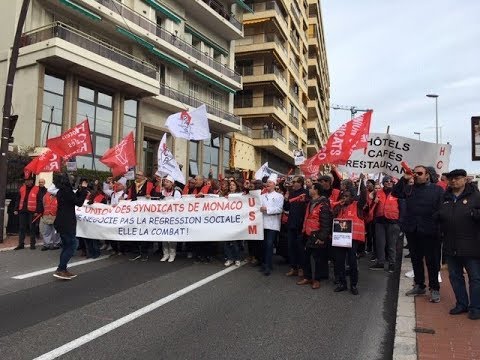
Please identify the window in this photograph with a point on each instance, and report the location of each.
(226, 152)
(97, 106)
(211, 152)
(194, 90)
(193, 158)
(129, 117)
(52, 108)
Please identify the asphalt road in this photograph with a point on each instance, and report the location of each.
(240, 314)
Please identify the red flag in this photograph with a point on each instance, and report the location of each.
(340, 145)
(75, 141)
(121, 157)
(46, 162)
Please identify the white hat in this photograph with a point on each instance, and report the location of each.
(52, 189)
(273, 177)
(122, 181)
(169, 178)
(159, 174)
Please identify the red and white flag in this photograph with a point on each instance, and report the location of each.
(121, 157)
(190, 125)
(339, 147)
(167, 165)
(46, 162)
(73, 142)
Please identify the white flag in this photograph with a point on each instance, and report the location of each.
(190, 125)
(263, 171)
(167, 165)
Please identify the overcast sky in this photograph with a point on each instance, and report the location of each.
(387, 55)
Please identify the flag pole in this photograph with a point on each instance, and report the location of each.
(7, 107)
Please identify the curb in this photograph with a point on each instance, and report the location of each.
(405, 343)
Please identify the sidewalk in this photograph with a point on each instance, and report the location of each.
(426, 331)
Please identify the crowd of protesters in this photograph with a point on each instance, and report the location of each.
(298, 219)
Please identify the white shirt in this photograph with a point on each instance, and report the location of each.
(273, 201)
(173, 194)
(115, 197)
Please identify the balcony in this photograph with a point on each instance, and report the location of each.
(187, 99)
(271, 140)
(263, 9)
(63, 45)
(294, 120)
(268, 105)
(220, 9)
(131, 15)
(259, 43)
(262, 74)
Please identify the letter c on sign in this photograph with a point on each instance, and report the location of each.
(439, 164)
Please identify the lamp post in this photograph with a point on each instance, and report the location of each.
(435, 96)
(417, 133)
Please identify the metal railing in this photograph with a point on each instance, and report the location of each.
(268, 37)
(294, 120)
(241, 102)
(294, 94)
(195, 102)
(295, 39)
(292, 146)
(169, 37)
(263, 133)
(261, 70)
(269, 5)
(220, 9)
(295, 68)
(90, 43)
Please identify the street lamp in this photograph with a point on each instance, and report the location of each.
(436, 114)
(417, 133)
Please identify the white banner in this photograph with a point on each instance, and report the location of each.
(187, 219)
(385, 152)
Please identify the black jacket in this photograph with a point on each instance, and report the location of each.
(296, 205)
(422, 201)
(66, 220)
(325, 220)
(41, 193)
(460, 222)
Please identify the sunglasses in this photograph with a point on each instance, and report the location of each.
(419, 173)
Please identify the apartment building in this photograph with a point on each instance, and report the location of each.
(284, 104)
(126, 65)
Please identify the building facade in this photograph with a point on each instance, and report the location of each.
(126, 65)
(284, 103)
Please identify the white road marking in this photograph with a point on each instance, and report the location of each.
(62, 350)
(53, 269)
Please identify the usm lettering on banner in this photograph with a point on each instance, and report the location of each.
(187, 219)
(385, 153)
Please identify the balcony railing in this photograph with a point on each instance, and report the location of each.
(292, 145)
(193, 101)
(220, 9)
(271, 100)
(169, 37)
(294, 93)
(263, 133)
(268, 37)
(294, 120)
(295, 67)
(273, 69)
(295, 13)
(295, 39)
(90, 43)
(241, 102)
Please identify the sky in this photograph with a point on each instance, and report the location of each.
(387, 55)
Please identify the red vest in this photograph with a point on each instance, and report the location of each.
(50, 204)
(350, 213)
(334, 196)
(312, 219)
(99, 198)
(387, 206)
(32, 198)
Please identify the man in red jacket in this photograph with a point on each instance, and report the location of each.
(26, 208)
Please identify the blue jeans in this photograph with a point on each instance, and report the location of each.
(269, 237)
(69, 246)
(455, 272)
(231, 250)
(296, 249)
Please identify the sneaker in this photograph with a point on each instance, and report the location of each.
(417, 290)
(228, 263)
(292, 272)
(373, 259)
(44, 248)
(136, 257)
(340, 288)
(61, 275)
(377, 266)
(165, 258)
(171, 258)
(391, 268)
(435, 296)
(410, 274)
(354, 290)
(68, 273)
(237, 263)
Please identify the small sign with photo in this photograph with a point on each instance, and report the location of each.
(298, 157)
(342, 233)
